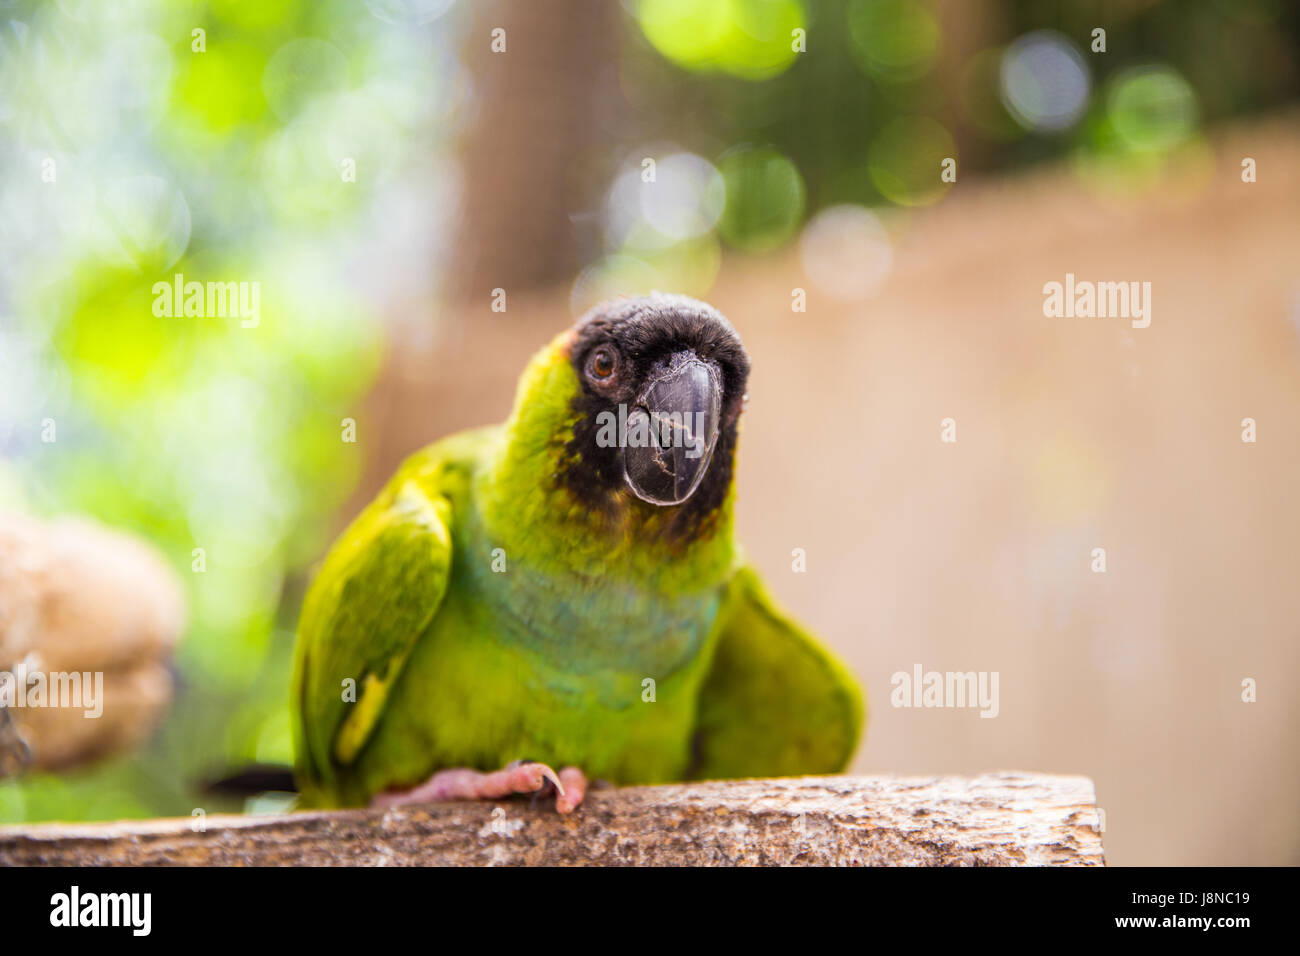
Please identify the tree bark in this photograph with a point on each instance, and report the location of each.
(993, 819)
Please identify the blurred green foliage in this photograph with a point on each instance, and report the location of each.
(219, 157)
(886, 84)
(801, 106)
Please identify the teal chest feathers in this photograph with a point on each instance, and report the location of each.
(584, 628)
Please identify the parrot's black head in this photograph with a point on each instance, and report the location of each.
(662, 385)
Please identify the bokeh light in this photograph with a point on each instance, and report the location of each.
(215, 87)
(1045, 81)
(764, 198)
(752, 39)
(846, 252)
(1151, 108)
(893, 40)
(687, 198)
(689, 267)
(141, 223)
(409, 12)
(301, 71)
(265, 15)
(906, 159)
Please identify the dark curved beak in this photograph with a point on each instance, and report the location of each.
(672, 431)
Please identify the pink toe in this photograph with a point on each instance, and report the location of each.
(575, 788)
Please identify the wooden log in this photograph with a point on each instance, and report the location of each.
(993, 819)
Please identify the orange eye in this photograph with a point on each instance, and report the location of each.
(601, 363)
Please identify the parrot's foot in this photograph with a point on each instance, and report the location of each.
(464, 783)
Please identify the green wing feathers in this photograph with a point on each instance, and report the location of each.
(375, 595)
(775, 703)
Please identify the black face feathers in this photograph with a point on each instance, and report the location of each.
(647, 330)
(618, 348)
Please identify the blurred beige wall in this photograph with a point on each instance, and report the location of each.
(1072, 434)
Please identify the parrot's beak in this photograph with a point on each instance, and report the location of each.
(670, 434)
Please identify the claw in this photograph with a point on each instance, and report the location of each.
(552, 776)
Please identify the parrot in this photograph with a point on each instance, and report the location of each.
(560, 601)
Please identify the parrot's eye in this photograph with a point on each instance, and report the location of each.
(601, 364)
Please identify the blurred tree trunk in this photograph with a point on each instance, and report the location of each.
(968, 26)
(530, 157)
(535, 157)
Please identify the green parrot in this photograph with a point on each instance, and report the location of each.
(565, 591)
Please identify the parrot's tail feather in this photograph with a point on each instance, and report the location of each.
(258, 778)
